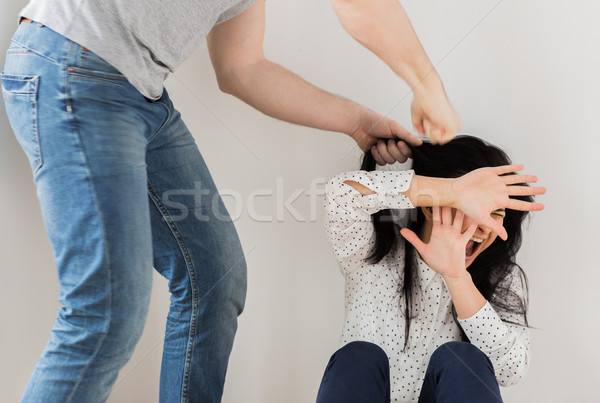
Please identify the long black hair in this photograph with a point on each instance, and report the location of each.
(451, 160)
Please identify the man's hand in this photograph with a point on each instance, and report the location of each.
(384, 28)
(432, 113)
(236, 51)
(373, 127)
(390, 151)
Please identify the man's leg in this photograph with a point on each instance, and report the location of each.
(83, 128)
(459, 372)
(359, 372)
(196, 247)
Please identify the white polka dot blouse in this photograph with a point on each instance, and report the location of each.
(372, 310)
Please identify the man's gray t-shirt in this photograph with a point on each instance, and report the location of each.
(144, 39)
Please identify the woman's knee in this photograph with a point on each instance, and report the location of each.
(458, 354)
(362, 353)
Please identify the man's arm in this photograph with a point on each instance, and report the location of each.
(236, 52)
(383, 27)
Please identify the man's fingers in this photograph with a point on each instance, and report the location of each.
(383, 152)
(427, 127)
(419, 128)
(401, 133)
(376, 156)
(523, 205)
(395, 152)
(411, 237)
(525, 191)
(436, 135)
(404, 149)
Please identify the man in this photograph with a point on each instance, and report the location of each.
(83, 89)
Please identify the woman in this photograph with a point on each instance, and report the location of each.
(410, 316)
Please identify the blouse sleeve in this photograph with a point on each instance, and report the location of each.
(348, 212)
(502, 336)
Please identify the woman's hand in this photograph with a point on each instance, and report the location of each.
(483, 190)
(445, 251)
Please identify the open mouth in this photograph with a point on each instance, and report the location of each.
(472, 247)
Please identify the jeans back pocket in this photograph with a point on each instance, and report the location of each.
(20, 94)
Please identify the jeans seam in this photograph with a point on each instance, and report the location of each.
(163, 124)
(106, 251)
(193, 282)
(38, 53)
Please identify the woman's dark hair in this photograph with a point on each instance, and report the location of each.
(451, 160)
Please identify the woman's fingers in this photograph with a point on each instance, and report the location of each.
(496, 227)
(437, 218)
(512, 179)
(523, 205)
(458, 220)
(411, 237)
(504, 169)
(525, 190)
(470, 231)
(446, 216)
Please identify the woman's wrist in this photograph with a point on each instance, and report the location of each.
(459, 277)
(426, 191)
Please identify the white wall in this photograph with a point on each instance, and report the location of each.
(523, 76)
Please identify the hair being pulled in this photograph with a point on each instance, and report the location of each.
(489, 270)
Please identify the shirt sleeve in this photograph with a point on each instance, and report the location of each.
(348, 213)
(234, 10)
(500, 336)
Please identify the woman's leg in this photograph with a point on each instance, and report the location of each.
(85, 129)
(196, 247)
(359, 372)
(459, 372)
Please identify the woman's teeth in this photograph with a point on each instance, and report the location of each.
(472, 246)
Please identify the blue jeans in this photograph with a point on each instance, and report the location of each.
(457, 372)
(122, 188)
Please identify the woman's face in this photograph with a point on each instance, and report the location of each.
(479, 242)
(482, 238)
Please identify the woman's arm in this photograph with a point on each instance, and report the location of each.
(507, 345)
(348, 213)
(501, 335)
(476, 193)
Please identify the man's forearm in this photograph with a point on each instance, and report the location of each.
(384, 28)
(281, 94)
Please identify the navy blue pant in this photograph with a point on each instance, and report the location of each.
(457, 372)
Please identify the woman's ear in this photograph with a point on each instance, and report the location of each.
(427, 212)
